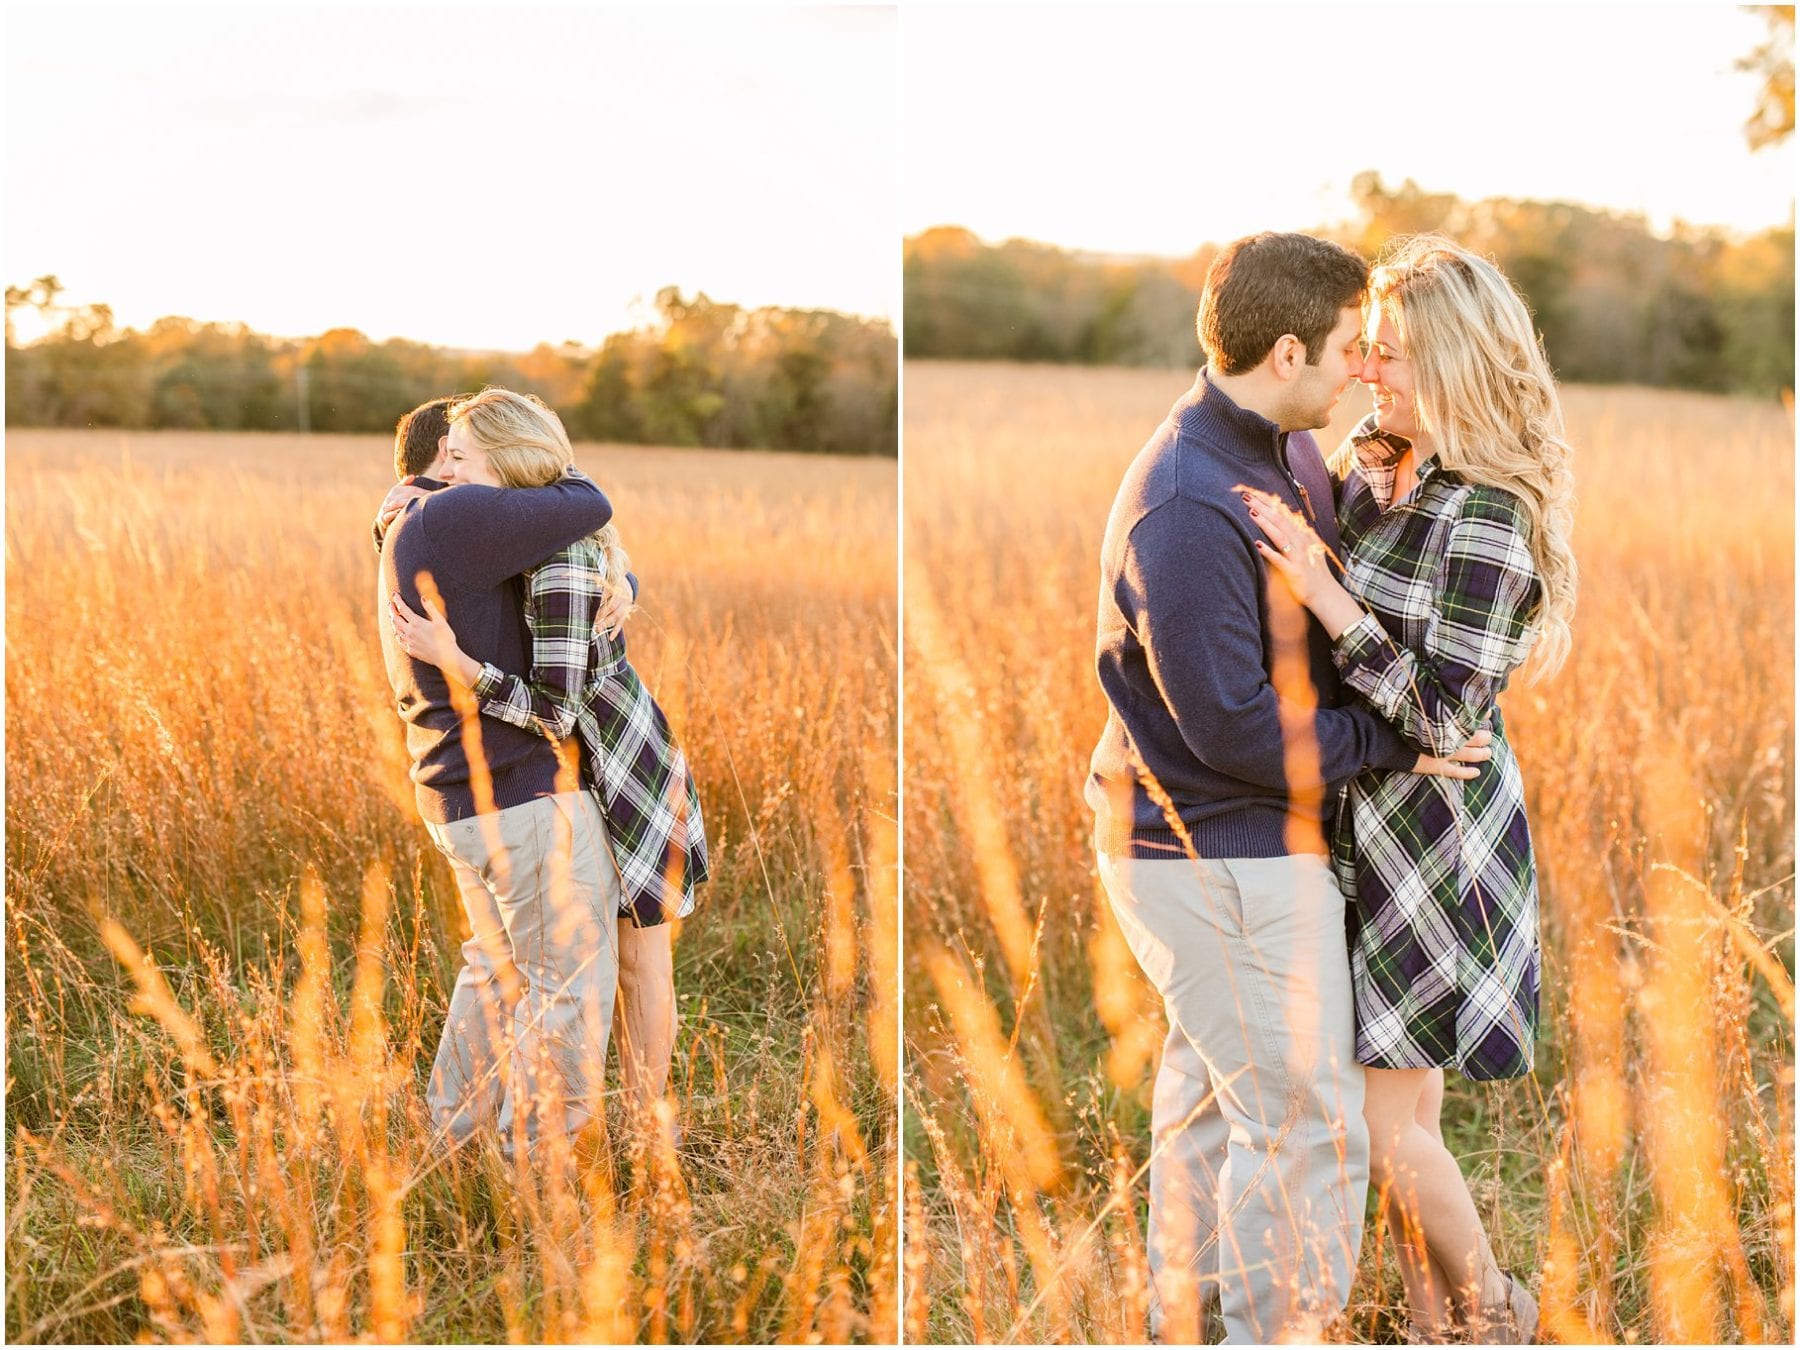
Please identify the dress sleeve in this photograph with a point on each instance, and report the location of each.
(560, 608)
(1480, 629)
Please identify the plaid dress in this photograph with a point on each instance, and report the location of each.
(582, 683)
(1439, 872)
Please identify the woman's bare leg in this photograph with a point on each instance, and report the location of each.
(1429, 1206)
(1430, 1114)
(646, 1013)
(1431, 1120)
(1428, 1287)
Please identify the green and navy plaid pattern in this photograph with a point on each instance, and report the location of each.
(581, 683)
(1444, 950)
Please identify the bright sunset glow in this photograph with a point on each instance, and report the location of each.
(1154, 131)
(470, 177)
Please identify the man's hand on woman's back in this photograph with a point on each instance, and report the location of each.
(1461, 764)
(395, 502)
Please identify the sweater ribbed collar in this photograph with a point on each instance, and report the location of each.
(1224, 423)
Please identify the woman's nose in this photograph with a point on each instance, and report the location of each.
(1371, 369)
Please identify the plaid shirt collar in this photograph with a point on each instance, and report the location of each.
(1378, 455)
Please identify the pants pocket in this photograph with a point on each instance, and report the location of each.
(1283, 895)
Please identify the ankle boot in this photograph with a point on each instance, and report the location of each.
(1513, 1321)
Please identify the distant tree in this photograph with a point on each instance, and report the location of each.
(1773, 120)
(554, 374)
(355, 385)
(39, 295)
(966, 299)
(1407, 209)
(607, 410)
(798, 393)
(1755, 285)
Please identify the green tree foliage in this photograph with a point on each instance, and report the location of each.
(1023, 301)
(701, 373)
(1616, 303)
(707, 373)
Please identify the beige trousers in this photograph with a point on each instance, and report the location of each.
(1261, 1155)
(524, 1045)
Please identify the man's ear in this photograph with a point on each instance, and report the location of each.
(1287, 356)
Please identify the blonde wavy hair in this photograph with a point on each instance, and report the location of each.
(1484, 393)
(526, 446)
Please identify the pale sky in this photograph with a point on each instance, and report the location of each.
(1154, 131)
(465, 176)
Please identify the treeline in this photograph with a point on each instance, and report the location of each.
(700, 373)
(1615, 303)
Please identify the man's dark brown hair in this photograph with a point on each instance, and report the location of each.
(416, 436)
(1270, 284)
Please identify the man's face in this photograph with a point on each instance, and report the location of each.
(1318, 387)
(467, 462)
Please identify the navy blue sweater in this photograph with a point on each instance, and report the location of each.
(1184, 649)
(474, 541)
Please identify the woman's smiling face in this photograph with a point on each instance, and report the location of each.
(466, 461)
(1389, 376)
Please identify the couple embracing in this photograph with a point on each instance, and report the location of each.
(545, 772)
(1309, 824)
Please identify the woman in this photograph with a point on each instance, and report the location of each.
(581, 682)
(1455, 515)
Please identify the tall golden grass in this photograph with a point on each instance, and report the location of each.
(1643, 1179)
(229, 942)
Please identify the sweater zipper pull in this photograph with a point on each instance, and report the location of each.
(1299, 487)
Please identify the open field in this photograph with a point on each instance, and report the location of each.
(227, 1141)
(1643, 1179)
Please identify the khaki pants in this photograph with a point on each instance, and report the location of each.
(524, 1045)
(1261, 1159)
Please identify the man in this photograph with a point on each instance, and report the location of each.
(1210, 785)
(530, 858)
(421, 442)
